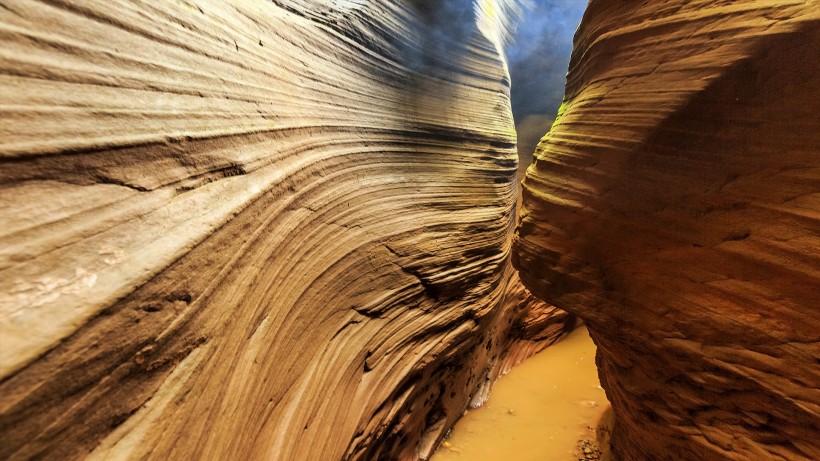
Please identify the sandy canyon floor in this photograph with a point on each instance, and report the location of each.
(539, 411)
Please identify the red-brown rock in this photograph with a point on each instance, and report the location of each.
(243, 230)
(675, 208)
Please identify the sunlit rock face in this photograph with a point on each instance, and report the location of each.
(674, 207)
(254, 229)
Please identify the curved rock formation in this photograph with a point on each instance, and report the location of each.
(254, 229)
(675, 208)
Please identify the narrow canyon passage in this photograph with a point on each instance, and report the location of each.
(539, 411)
(286, 230)
(543, 407)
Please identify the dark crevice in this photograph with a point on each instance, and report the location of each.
(102, 179)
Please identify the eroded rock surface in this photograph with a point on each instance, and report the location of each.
(254, 229)
(675, 208)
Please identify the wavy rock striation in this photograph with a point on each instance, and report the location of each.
(675, 208)
(254, 229)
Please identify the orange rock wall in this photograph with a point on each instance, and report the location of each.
(675, 208)
(254, 229)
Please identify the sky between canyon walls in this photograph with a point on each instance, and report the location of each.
(538, 57)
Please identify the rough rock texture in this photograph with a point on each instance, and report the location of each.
(675, 208)
(253, 229)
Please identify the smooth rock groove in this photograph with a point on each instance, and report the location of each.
(254, 229)
(675, 208)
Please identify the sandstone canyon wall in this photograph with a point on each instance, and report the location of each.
(254, 229)
(675, 208)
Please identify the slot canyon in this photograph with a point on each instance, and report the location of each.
(297, 230)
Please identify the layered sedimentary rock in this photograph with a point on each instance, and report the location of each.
(254, 229)
(675, 208)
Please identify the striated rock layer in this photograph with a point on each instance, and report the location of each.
(254, 229)
(675, 208)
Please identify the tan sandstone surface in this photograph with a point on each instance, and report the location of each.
(254, 229)
(675, 208)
